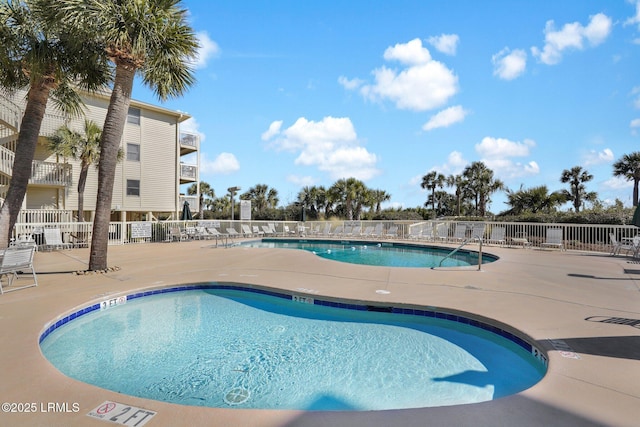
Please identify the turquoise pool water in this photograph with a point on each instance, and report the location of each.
(376, 253)
(226, 347)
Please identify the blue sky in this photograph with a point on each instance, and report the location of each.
(295, 93)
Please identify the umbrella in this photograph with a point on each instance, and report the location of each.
(636, 217)
(186, 212)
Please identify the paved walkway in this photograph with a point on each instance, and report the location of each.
(547, 294)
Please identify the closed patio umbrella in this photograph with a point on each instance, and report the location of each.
(636, 217)
(186, 212)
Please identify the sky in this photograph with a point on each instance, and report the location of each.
(300, 93)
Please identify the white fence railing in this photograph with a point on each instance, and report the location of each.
(579, 237)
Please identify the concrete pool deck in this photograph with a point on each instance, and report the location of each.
(546, 294)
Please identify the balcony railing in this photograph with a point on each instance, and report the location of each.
(42, 173)
(193, 202)
(189, 142)
(188, 173)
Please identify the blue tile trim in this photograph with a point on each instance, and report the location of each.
(326, 303)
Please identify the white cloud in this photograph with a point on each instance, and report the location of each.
(596, 158)
(446, 118)
(350, 84)
(617, 183)
(274, 129)
(331, 145)
(454, 166)
(492, 148)
(208, 49)
(508, 64)
(497, 152)
(424, 84)
(301, 181)
(224, 164)
(572, 36)
(445, 43)
(635, 19)
(192, 125)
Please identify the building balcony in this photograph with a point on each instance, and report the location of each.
(42, 173)
(188, 173)
(189, 143)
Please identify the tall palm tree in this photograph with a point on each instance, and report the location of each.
(432, 181)
(629, 167)
(262, 197)
(206, 193)
(576, 177)
(534, 199)
(459, 182)
(146, 37)
(481, 183)
(50, 62)
(86, 148)
(378, 197)
(350, 195)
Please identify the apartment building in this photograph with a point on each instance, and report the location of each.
(159, 159)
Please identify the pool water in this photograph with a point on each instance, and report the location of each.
(380, 254)
(231, 348)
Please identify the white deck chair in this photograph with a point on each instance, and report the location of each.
(392, 232)
(459, 232)
(266, 230)
(232, 232)
(24, 240)
(175, 234)
(618, 246)
(53, 239)
(256, 231)
(288, 231)
(246, 231)
(17, 260)
(337, 231)
(497, 236)
(477, 231)
(368, 231)
(442, 232)
(415, 232)
(377, 231)
(554, 238)
(327, 229)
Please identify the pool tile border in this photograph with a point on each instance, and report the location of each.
(538, 354)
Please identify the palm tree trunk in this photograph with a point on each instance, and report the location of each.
(25, 149)
(82, 180)
(109, 145)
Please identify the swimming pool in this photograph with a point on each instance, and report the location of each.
(387, 254)
(226, 345)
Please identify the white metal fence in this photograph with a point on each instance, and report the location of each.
(578, 237)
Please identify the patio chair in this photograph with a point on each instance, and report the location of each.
(442, 233)
(256, 231)
(554, 238)
(368, 231)
(232, 233)
(617, 246)
(246, 231)
(477, 230)
(288, 231)
(175, 234)
(337, 231)
(267, 231)
(377, 230)
(17, 260)
(53, 239)
(521, 239)
(497, 236)
(24, 240)
(327, 229)
(459, 233)
(415, 232)
(392, 232)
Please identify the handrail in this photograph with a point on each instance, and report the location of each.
(464, 242)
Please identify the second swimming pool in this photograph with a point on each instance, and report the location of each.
(385, 254)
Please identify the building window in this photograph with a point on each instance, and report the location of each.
(133, 187)
(133, 116)
(133, 152)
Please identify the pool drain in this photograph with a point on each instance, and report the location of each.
(236, 396)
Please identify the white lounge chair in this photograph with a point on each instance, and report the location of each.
(246, 231)
(256, 231)
(368, 231)
(497, 236)
(53, 239)
(617, 246)
(378, 230)
(477, 230)
(392, 232)
(459, 233)
(17, 260)
(554, 238)
(442, 232)
(267, 231)
(415, 232)
(24, 240)
(288, 231)
(232, 232)
(521, 239)
(175, 234)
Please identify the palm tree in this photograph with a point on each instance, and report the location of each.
(86, 148)
(629, 167)
(349, 194)
(534, 199)
(262, 197)
(205, 191)
(432, 181)
(378, 197)
(576, 177)
(146, 37)
(459, 182)
(50, 62)
(481, 183)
